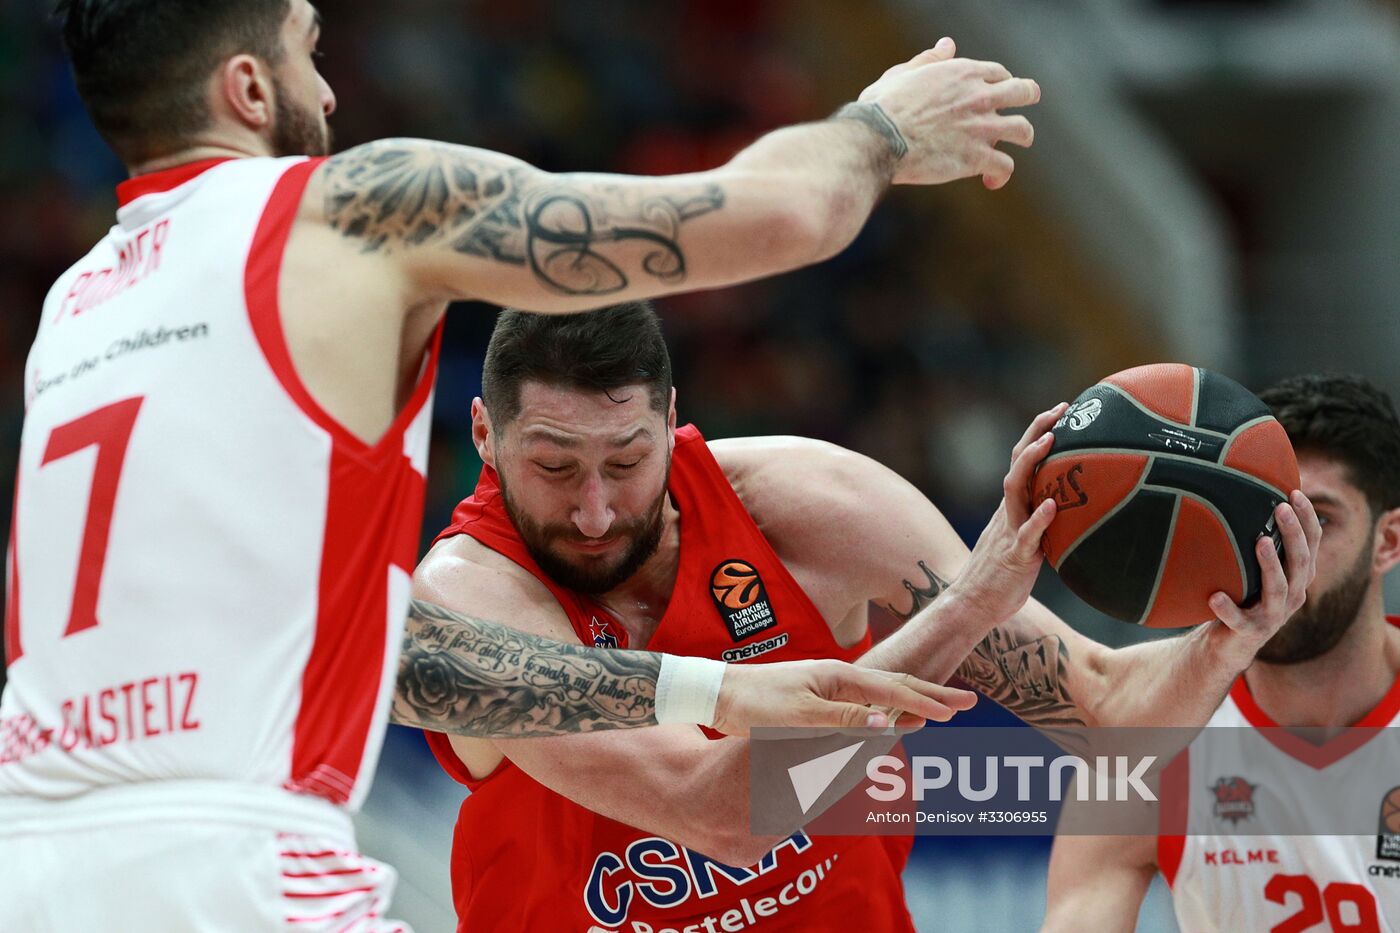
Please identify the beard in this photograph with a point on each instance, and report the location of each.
(296, 130)
(1316, 628)
(592, 576)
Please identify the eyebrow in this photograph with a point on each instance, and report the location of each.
(315, 22)
(567, 440)
(1324, 499)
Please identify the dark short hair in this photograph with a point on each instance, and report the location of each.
(1348, 419)
(142, 66)
(600, 350)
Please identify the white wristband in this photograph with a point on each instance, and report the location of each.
(687, 689)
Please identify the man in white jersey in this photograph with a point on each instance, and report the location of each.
(221, 472)
(1335, 663)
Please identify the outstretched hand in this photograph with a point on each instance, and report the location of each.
(947, 111)
(830, 694)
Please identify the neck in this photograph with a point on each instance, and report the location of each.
(1340, 687)
(195, 153)
(642, 600)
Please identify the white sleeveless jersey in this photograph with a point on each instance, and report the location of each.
(207, 576)
(1225, 882)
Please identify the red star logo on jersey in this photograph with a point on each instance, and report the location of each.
(602, 635)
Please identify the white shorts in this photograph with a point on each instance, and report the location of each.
(187, 856)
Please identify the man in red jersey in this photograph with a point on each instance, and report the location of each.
(1336, 663)
(597, 520)
(221, 474)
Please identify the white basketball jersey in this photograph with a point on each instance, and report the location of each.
(1222, 881)
(208, 576)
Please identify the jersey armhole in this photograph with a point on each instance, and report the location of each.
(262, 277)
(1175, 794)
(707, 468)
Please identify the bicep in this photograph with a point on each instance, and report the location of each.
(1098, 882)
(473, 224)
(845, 519)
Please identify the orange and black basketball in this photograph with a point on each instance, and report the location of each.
(1164, 477)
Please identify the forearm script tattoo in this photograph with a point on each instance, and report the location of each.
(578, 236)
(472, 677)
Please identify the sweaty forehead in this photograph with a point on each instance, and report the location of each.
(571, 416)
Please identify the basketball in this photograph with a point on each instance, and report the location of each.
(1390, 812)
(1164, 476)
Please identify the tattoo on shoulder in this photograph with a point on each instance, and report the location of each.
(1026, 674)
(921, 593)
(472, 677)
(875, 117)
(576, 235)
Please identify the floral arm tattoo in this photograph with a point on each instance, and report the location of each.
(576, 235)
(472, 677)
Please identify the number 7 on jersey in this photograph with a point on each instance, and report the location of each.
(109, 430)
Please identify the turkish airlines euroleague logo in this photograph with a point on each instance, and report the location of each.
(741, 599)
(1388, 843)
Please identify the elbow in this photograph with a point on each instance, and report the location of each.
(808, 226)
(722, 833)
(735, 848)
(1105, 699)
(825, 221)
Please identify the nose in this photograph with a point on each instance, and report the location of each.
(327, 98)
(593, 516)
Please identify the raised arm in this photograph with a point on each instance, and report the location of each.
(968, 613)
(457, 222)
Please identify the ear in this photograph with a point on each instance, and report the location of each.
(1386, 552)
(246, 91)
(671, 422)
(482, 435)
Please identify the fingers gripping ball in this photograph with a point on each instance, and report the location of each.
(1164, 476)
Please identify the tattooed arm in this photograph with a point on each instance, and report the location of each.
(466, 676)
(459, 222)
(464, 223)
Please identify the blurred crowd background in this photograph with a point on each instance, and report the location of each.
(1214, 181)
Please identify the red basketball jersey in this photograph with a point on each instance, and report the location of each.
(526, 858)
